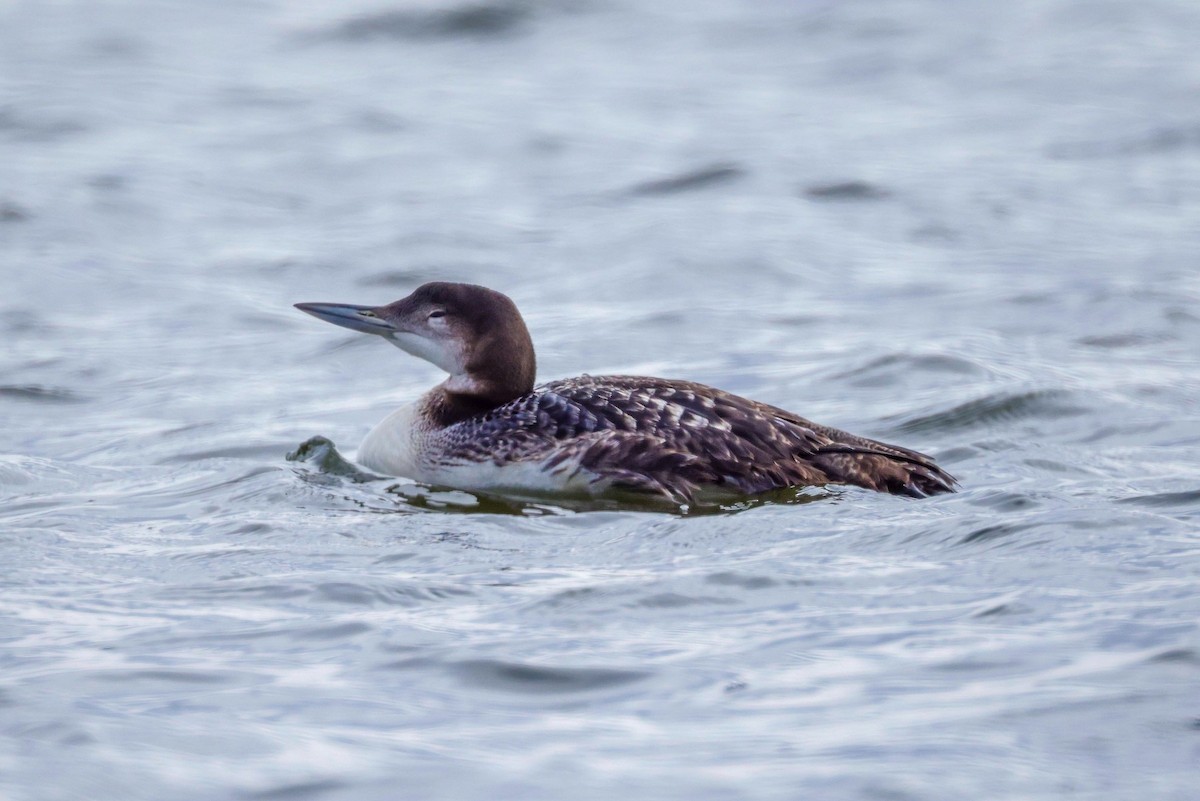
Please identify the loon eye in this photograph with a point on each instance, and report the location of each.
(438, 313)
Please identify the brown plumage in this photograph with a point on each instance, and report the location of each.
(671, 438)
(676, 437)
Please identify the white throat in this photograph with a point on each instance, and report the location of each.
(444, 353)
(463, 384)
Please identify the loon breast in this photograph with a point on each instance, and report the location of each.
(469, 455)
(393, 447)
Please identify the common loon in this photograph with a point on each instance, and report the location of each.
(487, 427)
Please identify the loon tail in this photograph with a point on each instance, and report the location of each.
(884, 468)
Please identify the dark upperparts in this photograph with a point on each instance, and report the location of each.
(673, 436)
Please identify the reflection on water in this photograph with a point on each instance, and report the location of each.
(933, 223)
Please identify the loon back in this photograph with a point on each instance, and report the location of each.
(676, 437)
(487, 427)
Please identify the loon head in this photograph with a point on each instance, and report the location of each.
(473, 333)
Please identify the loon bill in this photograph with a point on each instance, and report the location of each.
(487, 427)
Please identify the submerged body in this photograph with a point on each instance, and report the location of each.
(487, 428)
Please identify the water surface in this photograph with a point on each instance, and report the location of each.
(970, 230)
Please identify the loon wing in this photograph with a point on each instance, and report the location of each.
(673, 437)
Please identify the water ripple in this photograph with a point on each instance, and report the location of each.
(701, 178)
(299, 791)
(994, 408)
(847, 190)
(34, 392)
(1165, 499)
(541, 680)
(470, 19)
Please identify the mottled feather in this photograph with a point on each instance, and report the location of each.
(676, 437)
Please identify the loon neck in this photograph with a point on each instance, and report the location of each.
(497, 366)
(466, 395)
(444, 408)
(459, 398)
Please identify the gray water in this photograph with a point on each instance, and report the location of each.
(972, 229)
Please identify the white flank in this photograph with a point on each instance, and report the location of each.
(528, 476)
(402, 445)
